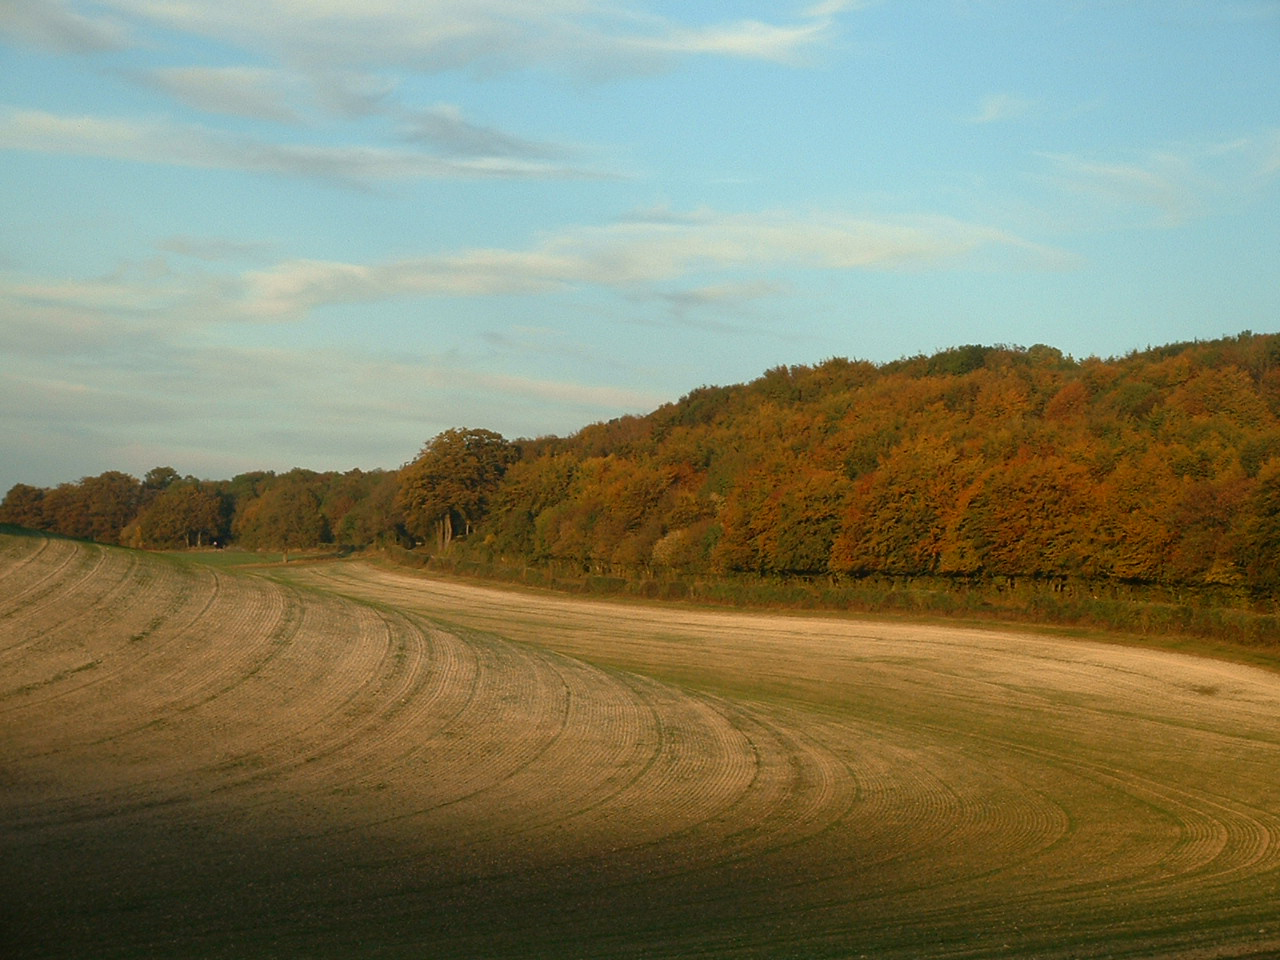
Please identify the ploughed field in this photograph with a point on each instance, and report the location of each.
(340, 760)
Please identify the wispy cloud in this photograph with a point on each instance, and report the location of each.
(639, 253)
(281, 94)
(444, 128)
(1163, 185)
(130, 404)
(590, 36)
(256, 92)
(748, 39)
(695, 262)
(161, 141)
(56, 25)
(1169, 186)
(998, 107)
(214, 249)
(349, 59)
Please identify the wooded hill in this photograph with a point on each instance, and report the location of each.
(976, 464)
(1161, 467)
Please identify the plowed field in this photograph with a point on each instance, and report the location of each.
(356, 762)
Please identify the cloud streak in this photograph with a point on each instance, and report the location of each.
(255, 92)
(1169, 186)
(444, 128)
(55, 25)
(638, 254)
(161, 141)
(198, 405)
(577, 36)
(999, 107)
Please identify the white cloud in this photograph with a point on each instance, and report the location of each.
(448, 131)
(998, 107)
(691, 261)
(591, 36)
(254, 92)
(635, 255)
(829, 8)
(1173, 184)
(748, 39)
(55, 25)
(162, 141)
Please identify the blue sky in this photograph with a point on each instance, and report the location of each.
(258, 234)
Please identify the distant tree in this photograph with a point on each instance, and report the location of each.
(182, 515)
(156, 480)
(1259, 546)
(450, 484)
(372, 515)
(530, 488)
(97, 508)
(23, 506)
(286, 517)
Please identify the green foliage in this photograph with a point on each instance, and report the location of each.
(958, 360)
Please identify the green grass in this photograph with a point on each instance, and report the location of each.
(236, 559)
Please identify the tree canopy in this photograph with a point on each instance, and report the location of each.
(450, 483)
(1160, 467)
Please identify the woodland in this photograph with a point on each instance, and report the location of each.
(978, 470)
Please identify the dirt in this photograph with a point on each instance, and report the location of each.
(363, 762)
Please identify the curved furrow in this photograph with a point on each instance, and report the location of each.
(1174, 863)
(65, 595)
(79, 579)
(154, 614)
(38, 573)
(21, 565)
(137, 730)
(605, 737)
(390, 785)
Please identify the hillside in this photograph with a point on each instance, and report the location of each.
(1159, 468)
(1156, 475)
(366, 763)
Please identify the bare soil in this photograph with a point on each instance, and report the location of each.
(362, 762)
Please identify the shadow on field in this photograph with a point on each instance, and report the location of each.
(197, 878)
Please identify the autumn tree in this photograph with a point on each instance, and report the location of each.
(23, 506)
(361, 508)
(530, 487)
(285, 517)
(449, 485)
(1259, 543)
(898, 517)
(156, 480)
(182, 515)
(1034, 516)
(96, 508)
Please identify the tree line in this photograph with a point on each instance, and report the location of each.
(1160, 467)
(258, 510)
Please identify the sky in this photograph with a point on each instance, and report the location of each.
(260, 234)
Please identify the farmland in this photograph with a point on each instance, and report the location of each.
(341, 760)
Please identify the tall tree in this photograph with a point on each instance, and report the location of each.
(23, 506)
(450, 483)
(182, 515)
(97, 508)
(286, 517)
